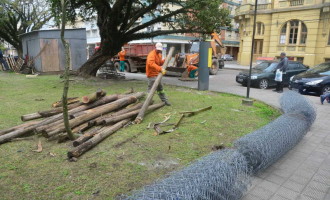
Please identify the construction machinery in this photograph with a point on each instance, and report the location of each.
(183, 60)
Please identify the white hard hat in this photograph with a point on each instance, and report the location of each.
(159, 46)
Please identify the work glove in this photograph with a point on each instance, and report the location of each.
(163, 71)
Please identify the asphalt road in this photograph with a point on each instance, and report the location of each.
(223, 81)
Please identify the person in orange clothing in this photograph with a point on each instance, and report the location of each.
(153, 68)
(192, 71)
(121, 55)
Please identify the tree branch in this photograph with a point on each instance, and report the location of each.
(156, 20)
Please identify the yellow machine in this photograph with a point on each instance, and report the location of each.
(182, 61)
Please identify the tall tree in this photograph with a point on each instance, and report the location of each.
(119, 21)
(22, 16)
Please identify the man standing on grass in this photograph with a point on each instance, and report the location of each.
(4, 63)
(153, 68)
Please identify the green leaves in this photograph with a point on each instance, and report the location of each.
(21, 16)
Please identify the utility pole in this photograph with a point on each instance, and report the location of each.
(247, 100)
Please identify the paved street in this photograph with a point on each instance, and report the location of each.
(304, 172)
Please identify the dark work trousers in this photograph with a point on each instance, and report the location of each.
(160, 89)
(279, 86)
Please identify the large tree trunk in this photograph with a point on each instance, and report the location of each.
(90, 67)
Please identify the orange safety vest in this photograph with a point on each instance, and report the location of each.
(191, 67)
(154, 63)
(121, 55)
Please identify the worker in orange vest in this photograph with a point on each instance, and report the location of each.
(192, 71)
(121, 55)
(153, 68)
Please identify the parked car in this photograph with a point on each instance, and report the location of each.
(227, 57)
(263, 75)
(316, 80)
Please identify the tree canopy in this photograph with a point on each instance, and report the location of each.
(21, 16)
(121, 21)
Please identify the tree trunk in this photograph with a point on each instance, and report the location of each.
(16, 133)
(2, 132)
(54, 111)
(90, 67)
(47, 123)
(98, 120)
(93, 97)
(47, 113)
(79, 150)
(81, 128)
(31, 116)
(87, 135)
(118, 118)
(97, 112)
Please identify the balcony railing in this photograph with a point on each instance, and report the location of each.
(296, 2)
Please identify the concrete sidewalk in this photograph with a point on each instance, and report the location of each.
(304, 172)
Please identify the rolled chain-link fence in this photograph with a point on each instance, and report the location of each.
(225, 174)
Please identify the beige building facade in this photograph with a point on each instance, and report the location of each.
(301, 28)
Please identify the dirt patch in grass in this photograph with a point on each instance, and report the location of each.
(125, 161)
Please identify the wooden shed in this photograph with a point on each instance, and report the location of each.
(47, 49)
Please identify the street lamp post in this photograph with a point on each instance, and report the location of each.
(247, 100)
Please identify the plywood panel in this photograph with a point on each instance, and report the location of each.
(50, 57)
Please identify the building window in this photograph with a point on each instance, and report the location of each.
(296, 31)
(303, 34)
(294, 25)
(283, 35)
(260, 28)
(296, 2)
(329, 39)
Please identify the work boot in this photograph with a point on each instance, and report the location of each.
(167, 103)
(322, 98)
(275, 90)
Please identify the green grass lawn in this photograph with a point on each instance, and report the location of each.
(125, 161)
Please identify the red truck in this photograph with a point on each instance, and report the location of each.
(136, 57)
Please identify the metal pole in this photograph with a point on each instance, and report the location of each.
(203, 68)
(251, 58)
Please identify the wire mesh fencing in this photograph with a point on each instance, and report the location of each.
(225, 174)
(219, 175)
(266, 145)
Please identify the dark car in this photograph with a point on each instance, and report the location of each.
(316, 80)
(227, 57)
(263, 75)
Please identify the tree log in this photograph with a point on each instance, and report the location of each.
(118, 118)
(93, 113)
(2, 132)
(98, 120)
(87, 135)
(16, 133)
(71, 100)
(93, 97)
(151, 93)
(104, 100)
(51, 112)
(79, 150)
(31, 116)
(47, 113)
(81, 128)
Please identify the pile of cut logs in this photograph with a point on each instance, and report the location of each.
(93, 118)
